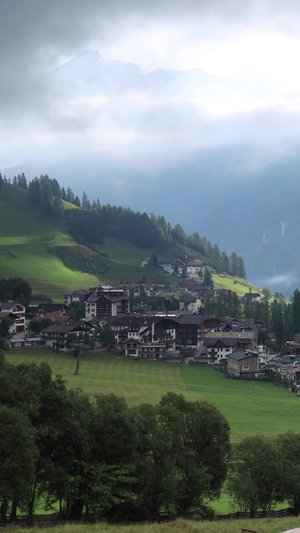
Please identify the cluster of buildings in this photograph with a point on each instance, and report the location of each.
(228, 343)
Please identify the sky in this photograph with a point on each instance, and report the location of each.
(249, 93)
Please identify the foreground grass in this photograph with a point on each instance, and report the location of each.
(264, 525)
(251, 408)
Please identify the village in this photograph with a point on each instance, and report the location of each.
(187, 334)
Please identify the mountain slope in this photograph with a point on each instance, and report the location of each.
(40, 250)
(25, 237)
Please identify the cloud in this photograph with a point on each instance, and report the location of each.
(250, 47)
(287, 279)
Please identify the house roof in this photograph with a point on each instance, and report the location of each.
(9, 305)
(188, 298)
(65, 328)
(210, 342)
(136, 321)
(4, 314)
(195, 264)
(240, 354)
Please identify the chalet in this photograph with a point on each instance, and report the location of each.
(218, 349)
(139, 350)
(77, 297)
(187, 285)
(191, 329)
(106, 302)
(285, 366)
(59, 336)
(148, 329)
(195, 268)
(136, 289)
(242, 364)
(16, 313)
(190, 302)
(239, 324)
(246, 340)
(172, 266)
(252, 297)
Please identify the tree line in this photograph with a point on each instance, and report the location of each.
(104, 459)
(94, 221)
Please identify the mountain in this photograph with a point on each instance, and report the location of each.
(228, 178)
(42, 250)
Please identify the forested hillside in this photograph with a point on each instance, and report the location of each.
(93, 222)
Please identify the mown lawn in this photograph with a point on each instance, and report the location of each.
(251, 408)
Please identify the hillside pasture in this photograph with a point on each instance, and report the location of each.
(25, 238)
(233, 283)
(251, 408)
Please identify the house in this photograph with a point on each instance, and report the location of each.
(245, 340)
(242, 364)
(77, 297)
(190, 302)
(195, 268)
(218, 349)
(285, 366)
(251, 297)
(145, 329)
(16, 313)
(171, 266)
(136, 289)
(106, 302)
(137, 349)
(59, 336)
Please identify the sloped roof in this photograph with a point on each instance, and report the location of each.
(240, 354)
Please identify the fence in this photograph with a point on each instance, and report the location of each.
(257, 514)
(51, 520)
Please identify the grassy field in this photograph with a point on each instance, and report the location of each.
(264, 525)
(238, 285)
(24, 242)
(251, 408)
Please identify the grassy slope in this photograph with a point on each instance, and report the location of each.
(27, 237)
(238, 285)
(251, 408)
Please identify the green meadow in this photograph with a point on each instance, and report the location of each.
(251, 408)
(24, 241)
(238, 285)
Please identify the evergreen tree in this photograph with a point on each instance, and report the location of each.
(207, 279)
(296, 312)
(34, 192)
(85, 204)
(225, 263)
(234, 264)
(241, 268)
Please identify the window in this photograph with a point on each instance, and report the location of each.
(245, 367)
